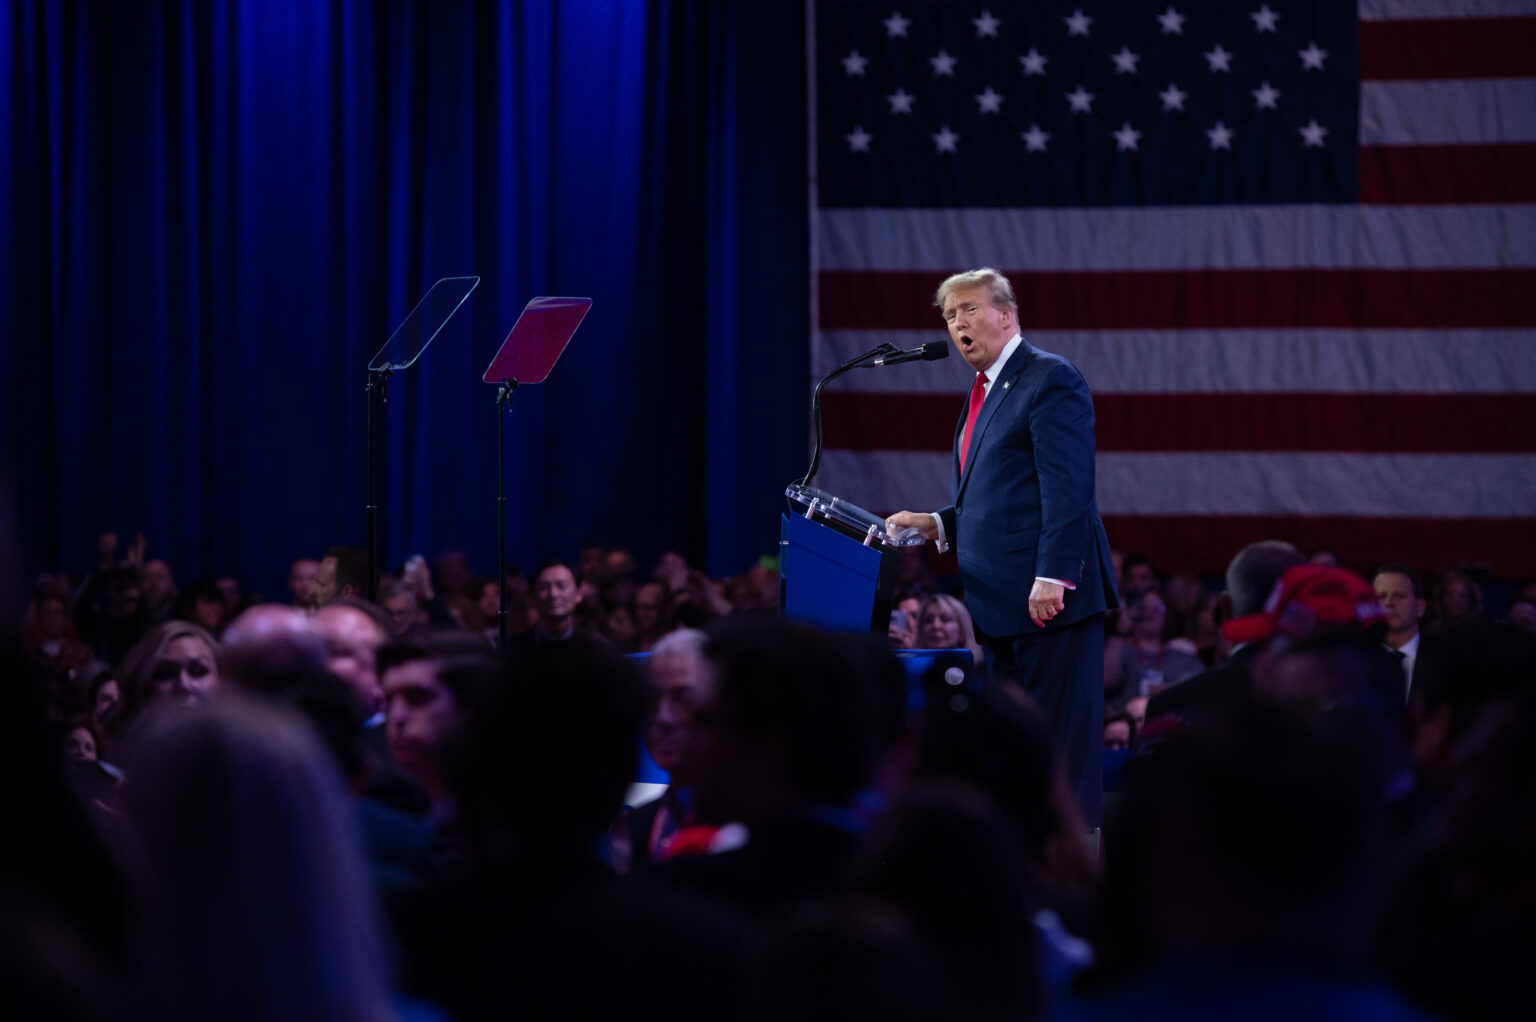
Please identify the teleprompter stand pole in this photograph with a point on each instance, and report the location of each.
(504, 395)
(378, 385)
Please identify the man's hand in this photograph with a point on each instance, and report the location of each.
(924, 523)
(1045, 601)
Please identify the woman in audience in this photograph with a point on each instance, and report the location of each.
(944, 623)
(1147, 663)
(175, 661)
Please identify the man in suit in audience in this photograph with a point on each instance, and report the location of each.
(1401, 592)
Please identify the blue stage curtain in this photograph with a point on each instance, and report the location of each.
(213, 212)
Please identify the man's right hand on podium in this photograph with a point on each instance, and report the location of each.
(918, 520)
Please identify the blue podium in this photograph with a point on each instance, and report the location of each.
(837, 564)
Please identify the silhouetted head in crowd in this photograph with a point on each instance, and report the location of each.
(353, 630)
(301, 583)
(556, 595)
(1311, 600)
(157, 586)
(1265, 823)
(1323, 557)
(1254, 573)
(1466, 669)
(792, 723)
(343, 571)
(173, 662)
(653, 613)
(680, 681)
(846, 958)
(267, 641)
(1457, 596)
(1119, 731)
(400, 604)
(993, 737)
(563, 732)
(431, 682)
(253, 897)
(592, 562)
(1522, 613)
(1140, 574)
(954, 863)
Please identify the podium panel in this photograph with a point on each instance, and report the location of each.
(832, 580)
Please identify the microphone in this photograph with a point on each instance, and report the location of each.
(928, 352)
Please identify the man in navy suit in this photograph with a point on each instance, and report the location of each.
(1025, 525)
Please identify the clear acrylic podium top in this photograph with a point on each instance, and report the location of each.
(819, 505)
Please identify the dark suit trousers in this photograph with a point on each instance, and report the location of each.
(1063, 671)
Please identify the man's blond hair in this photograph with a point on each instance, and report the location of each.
(999, 291)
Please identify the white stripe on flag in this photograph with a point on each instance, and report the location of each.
(1396, 10)
(1222, 361)
(1166, 237)
(1376, 485)
(1448, 112)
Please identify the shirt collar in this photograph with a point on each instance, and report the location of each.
(996, 367)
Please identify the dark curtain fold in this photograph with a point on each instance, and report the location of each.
(215, 212)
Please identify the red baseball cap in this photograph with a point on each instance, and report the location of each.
(1306, 596)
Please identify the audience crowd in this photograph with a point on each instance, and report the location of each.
(353, 804)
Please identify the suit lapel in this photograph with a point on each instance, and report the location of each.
(1001, 390)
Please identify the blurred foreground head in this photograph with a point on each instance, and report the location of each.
(253, 900)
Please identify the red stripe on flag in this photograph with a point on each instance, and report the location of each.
(1205, 543)
(1315, 422)
(1432, 175)
(1448, 48)
(1201, 298)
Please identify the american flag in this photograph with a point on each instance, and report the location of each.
(1291, 245)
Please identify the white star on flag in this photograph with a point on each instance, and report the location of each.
(896, 25)
(1265, 96)
(945, 140)
(1312, 134)
(1077, 23)
(858, 139)
(986, 25)
(1126, 138)
(1220, 136)
(1080, 99)
(1033, 62)
(853, 64)
(901, 101)
(1172, 22)
(1312, 57)
(1173, 97)
(943, 64)
(1125, 61)
(1035, 139)
(1219, 59)
(989, 102)
(1264, 19)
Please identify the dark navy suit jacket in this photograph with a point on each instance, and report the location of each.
(1025, 506)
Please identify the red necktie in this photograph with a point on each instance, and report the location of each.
(978, 395)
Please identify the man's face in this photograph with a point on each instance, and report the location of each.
(155, 582)
(979, 329)
(681, 680)
(419, 713)
(325, 581)
(556, 593)
(1117, 734)
(648, 604)
(301, 582)
(591, 563)
(1395, 591)
(402, 611)
(490, 601)
(1141, 576)
(351, 639)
